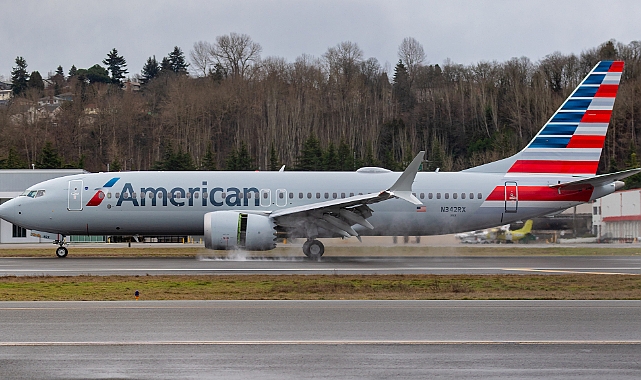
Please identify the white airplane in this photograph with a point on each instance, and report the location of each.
(248, 210)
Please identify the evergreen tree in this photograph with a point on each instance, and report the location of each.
(36, 82)
(73, 71)
(19, 77)
(115, 166)
(632, 162)
(245, 161)
(150, 70)
(13, 161)
(239, 159)
(97, 74)
(49, 158)
(117, 66)
(177, 61)
(165, 66)
(174, 161)
(401, 87)
(330, 159)
(58, 80)
(345, 157)
(209, 161)
(311, 156)
(232, 160)
(274, 163)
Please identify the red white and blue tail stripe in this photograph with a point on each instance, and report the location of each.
(570, 143)
(572, 140)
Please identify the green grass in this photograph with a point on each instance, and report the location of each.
(317, 287)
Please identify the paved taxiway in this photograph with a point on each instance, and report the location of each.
(328, 265)
(321, 339)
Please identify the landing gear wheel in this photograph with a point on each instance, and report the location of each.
(61, 252)
(313, 249)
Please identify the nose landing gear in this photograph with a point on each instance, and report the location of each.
(61, 251)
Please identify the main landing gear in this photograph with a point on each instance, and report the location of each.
(313, 249)
(61, 251)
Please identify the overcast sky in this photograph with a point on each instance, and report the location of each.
(82, 32)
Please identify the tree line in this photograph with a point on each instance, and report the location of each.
(230, 108)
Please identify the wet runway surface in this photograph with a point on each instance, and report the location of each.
(327, 265)
(321, 339)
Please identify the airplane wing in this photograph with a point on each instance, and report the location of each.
(596, 181)
(339, 215)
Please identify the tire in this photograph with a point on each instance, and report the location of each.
(313, 249)
(61, 252)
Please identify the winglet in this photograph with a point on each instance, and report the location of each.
(402, 188)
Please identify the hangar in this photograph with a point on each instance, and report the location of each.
(617, 217)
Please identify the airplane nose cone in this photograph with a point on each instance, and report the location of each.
(8, 210)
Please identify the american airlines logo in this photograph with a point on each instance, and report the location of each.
(178, 196)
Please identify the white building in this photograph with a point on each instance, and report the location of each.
(12, 183)
(617, 216)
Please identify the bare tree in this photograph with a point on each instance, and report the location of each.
(201, 57)
(236, 52)
(411, 53)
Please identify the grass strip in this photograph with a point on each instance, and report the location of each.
(323, 287)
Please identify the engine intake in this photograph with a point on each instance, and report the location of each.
(236, 230)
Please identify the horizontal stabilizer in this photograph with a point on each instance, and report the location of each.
(598, 180)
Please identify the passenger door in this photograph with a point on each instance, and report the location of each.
(75, 195)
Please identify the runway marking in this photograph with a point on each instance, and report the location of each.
(569, 270)
(576, 271)
(322, 343)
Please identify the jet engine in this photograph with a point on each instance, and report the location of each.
(237, 230)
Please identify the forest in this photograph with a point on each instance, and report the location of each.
(227, 108)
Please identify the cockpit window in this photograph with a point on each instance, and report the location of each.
(33, 193)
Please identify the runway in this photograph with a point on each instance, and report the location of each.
(321, 339)
(329, 265)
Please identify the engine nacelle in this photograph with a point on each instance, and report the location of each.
(237, 230)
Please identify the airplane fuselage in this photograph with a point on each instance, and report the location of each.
(174, 203)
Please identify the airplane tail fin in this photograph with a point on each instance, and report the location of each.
(527, 227)
(572, 139)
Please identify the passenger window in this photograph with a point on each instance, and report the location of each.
(117, 195)
(317, 195)
(159, 195)
(480, 196)
(196, 195)
(342, 195)
(351, 194)
(334, 195)
(447, 195)
(471, 195)
(438, 195)
(151, 195)
(133, 195)
(300, 195)
(109, 195)
(429, 195)
(422, 195)
(265, 195)
(280, 195)
(291, 195)
(188, 195)
(205, 194)
(454, 195)
(309, 195)
(462, 195)
(326, 195)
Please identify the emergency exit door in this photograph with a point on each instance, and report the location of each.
(75, 195)
(511, 197)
